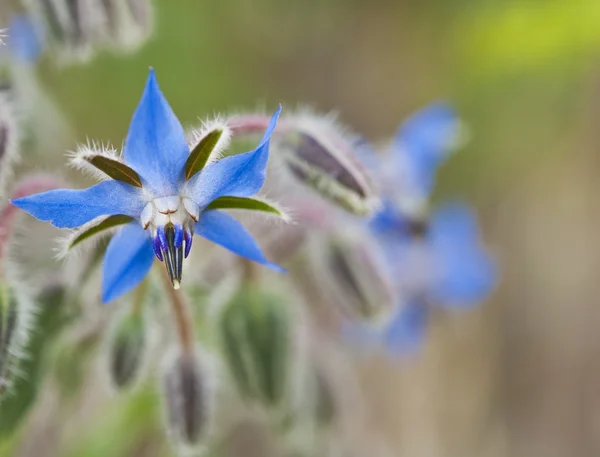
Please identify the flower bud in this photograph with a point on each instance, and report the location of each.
(187, 392)
(320, 155)
(127, 349)
(75, 29)
(66, 25)
(9, 137)
(14, 325)
(8, 327)
(358, 281)
(325, 400)
(256, 340)
(126, 24)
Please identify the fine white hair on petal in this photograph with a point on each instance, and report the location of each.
(207, 126)
(77, 158)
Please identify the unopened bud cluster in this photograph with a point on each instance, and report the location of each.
(77, 28)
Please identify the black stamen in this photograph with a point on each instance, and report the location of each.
(173, 256)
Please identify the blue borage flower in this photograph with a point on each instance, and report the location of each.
(439, 262)
(163, 192)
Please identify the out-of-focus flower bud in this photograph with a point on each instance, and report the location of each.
(127, 348)
(15, 315)
(324, 398)
(126, 24)
(75, 29)
(356, 275)
(67, 26)
(256, 340)
(188, 398)
(9, 137)
(8, 328)
(321, 155)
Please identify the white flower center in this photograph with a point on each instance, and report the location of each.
(170, 221)
(176, 210)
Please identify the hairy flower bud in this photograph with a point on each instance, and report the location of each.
(127, 348)
(187, 388)
(9, 137)
(126, 24)
(320, 155)
(256, 339)
(357, 280)
(8, 328)
(14, 325)
(75, 29)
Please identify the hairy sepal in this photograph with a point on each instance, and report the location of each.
(104, 162)
(206, 145)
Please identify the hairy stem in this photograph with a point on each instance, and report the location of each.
(181, 313)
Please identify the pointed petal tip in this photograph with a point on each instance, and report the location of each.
(275, 267)
(106, 298)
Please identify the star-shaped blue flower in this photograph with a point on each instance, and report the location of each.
(162, 193)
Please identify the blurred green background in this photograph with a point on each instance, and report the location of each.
(521, 375)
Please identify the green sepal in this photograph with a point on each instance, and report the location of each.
(251, 204)
(201, 153)
(115, 169)
(109, 222)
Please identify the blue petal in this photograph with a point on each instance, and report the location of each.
(431, 132)
(241, 175)
(422, 143)
(406, 331)
(466, 276)
(24, 41)
(224, 230)
(454, 222)
(127, 261)
(465, 272)
(67, 208)
(156, 145)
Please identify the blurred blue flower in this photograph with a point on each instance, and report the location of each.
(439, 262)
(160, 196)
(23, 39)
